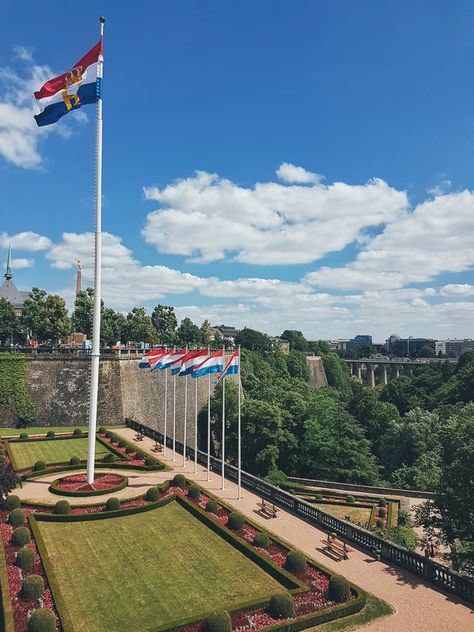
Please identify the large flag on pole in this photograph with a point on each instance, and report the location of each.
(212, 364)
(168, 359)
(151, 358)
(232, 366)
(191, 360)
(71, 90)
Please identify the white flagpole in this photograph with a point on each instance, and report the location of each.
(239, 441)
(174, 413)
(95, 355)
(196, 425)
(209, 427)
(223, 428)
(185, 418)
(166, 413)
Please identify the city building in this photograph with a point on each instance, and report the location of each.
(408, 347)
(361, 340)
(9, 290)
(453, 348)
(280, 344)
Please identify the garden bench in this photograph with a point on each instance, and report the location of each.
(139, 436)
(268, 510)
(157, 447)
(338, 547)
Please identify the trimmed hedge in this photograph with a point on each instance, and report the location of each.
(16, 518)
(153, 494)
(350, 499)
(129, 449)
(50, 434)
(339, 589)
(235, 521)
(62, 508)
(12, 502)
(281, 606)
(32, 588)
(218, 622)
(382, 502)
(179, 480)
(261, 540)
(108, 434)
(74, 460)
(212, 506)
(23, 435)
(77, 432)
(150, 460)
(102, 430)
(296, 563)
(42, 620)
(25, 558)
(194, 492)
(112, 504)
(140, 455)
(39, 466)
(109, 458)
(21, 536)
(122, 443)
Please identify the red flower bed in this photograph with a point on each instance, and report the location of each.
(78, 483)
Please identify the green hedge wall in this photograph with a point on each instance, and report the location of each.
(6, 610)
(53, 488)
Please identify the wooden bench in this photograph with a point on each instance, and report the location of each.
(157, 447)
(139, 436)
(337, 547)
(267, 509)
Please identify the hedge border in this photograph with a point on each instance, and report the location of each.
(53, 488)
(6, 609)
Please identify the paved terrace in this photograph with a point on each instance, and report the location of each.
(419, 607)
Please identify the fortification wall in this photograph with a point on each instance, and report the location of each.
(317, 374)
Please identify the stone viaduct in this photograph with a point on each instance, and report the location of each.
(387, 367)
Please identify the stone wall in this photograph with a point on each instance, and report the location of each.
(317, 374)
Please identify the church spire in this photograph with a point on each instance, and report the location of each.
(9, 273)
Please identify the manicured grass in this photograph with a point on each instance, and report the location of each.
(147, 571)
(26, 453)
(374, 608)
(37, 430)
(359, 515)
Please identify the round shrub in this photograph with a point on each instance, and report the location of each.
(140, 455)
(379, 523)
(122, 443)
(74, 460)
(33, 588)
(42, 620)
(50, 434)
(382, 502)
(153, 494)
(129, 449)
(218, 622)
(39, 466)
(23, 435)
(12, 502)
(25, 558)
(164, 487)
(262, 540)
(109, 458)
(108, 434)
(339, 590)
(62, 508)
(236, 521)
(281, 606)
(16, 518)
(179, 480)
(350, 499)
(114, 438)
(102, 430)
(318, 497)
(77, 432)
(382, 512)
(112, 504)
(150, 460)
(194, 492)
(21, 536)
(212, 506)
(296, 562)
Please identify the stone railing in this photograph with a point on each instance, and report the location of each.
(430, 571)
(369, 489)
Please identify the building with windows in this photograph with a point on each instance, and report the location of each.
(361, 340)
(8, 289)
(453, 348)
(409, 347)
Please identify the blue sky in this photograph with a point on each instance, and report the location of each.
(272, 164)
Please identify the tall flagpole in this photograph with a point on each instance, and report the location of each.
(174, 413)
(166, 413)
(209, 427)
(223, 429)
(185, 418)
(239, 440)
(196, 425)
(95, 355)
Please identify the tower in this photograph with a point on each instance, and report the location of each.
(9, 273)
(78, 276)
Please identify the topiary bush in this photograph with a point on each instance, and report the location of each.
(32, 588)
(109, 458)
(129, 449)
(281, 606)
(114, 438)
(77, 432)
(112, 504)
(318, 497)
(39, 466)
(62, 508)
(261, 540)
(16, 518)
(339, 589)
(382, 512)
(165, 486)
(382, 502)
(12, 502)
(74, 460)
(194, 491)
(152, 494)
(379, 523)
(296, 562)
(218, 622)
(21, 536)
(108, 434)
(23, 435)
(50, 434)
(25, 558)
(235, 521)
(42, 620)
(350, 499)
(103, 430)
(140, 455)
(179, 480)
(122, 443)
(212, 506)
(150, 460)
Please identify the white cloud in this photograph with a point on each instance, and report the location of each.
(27, 240)
(207, 218)
(441, 188)
(24, 53)
(22, 262)
(252, 287)
(457, 289)
(291, 173)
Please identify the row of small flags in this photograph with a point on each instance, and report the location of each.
(196, 363)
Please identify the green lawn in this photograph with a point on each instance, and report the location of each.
(26, 453)
(146, 571)
(359, 515)
(37, 430)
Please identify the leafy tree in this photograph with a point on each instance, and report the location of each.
(8, 480)
(188, 333)
(10, 325)
(55, 323)
(164, 321)
(253, 340)
(426, 352)
(83, 312)
(296, 339)
(297, 365)
(424, 474)
(138, 326)
(112, 326)
(400, 393)
(337, 373)
(218, 341)
(33, 311)
(205, 332)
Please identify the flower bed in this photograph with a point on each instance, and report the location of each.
(77, 485)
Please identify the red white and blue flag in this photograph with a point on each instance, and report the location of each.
(167, 361)
(192, 360)
(232, 367)
(71, 90)
(150, 359)
(212, 364)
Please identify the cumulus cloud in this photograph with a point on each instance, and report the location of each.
(207, 218)
(457, 289)
(291, 173)
(22, 262)
(27, 240)
(441, 188)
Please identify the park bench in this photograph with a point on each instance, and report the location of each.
(267, 509)
(157, 447)
(139, 436)
(337, 547)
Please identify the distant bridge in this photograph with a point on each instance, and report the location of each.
(396, 365)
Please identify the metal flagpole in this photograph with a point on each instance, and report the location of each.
(209, 427)
(223, 429)
(174, 413)
(166, 413)
(95, 359)
(239, 441)
(196, 425)
(185, 418)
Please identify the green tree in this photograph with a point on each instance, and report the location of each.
(205, 332)
(10, 325)
(164, 321)
(188, 333)
(138, 326)
(296, 339)
(83, 312)
(33, 312)
(55, 323)
(112, 326)
(337, 373)
(297, 365)
(400, 393)
(426, 352)
(253, 340)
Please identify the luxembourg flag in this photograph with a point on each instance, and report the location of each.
(231, 368)
(191, 360)
(151, 358)
(212, 364)
(169, 358)
(71, 90)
